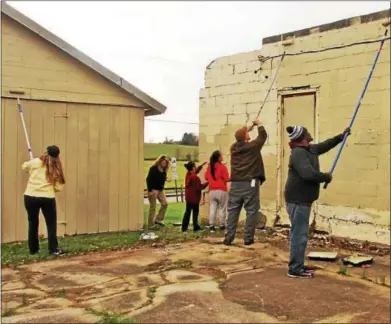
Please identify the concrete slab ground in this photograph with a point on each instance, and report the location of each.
(195, 282)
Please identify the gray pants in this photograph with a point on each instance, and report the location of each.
(218, 201)
(299, 216)
(242, 194)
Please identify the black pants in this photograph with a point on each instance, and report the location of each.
(48, 206)
(195, 208)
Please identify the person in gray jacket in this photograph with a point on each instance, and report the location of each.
(302, 189)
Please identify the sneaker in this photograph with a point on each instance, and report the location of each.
(212, 228)
(301, 275)
(227, 242)
(58, 253)
(198, 230)
(251, 242)
(34, 253)
(222, 227)
(309, 269)
(159, 223)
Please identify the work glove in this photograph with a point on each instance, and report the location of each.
(346, 131)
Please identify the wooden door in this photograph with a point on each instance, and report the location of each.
(297, 109)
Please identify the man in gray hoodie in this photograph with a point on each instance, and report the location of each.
(302, 189)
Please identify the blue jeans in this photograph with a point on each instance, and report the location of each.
(299, 216)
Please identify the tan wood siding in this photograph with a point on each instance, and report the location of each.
(45, 72)
(102, 152)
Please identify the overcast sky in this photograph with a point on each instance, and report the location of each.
(164, 47)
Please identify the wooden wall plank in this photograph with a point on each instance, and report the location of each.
(82, 166)
(133, 168)
(124, 169)
(57, 112)
(12, 169)
(93, 171)
(114, 168)
(104, 170)
(141, 179)
(71, 170)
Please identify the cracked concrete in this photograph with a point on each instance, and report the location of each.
(191, 283)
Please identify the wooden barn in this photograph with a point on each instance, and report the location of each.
(92, 114)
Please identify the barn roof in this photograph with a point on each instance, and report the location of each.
(154, 107)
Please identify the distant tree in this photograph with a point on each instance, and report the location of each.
(189, 139)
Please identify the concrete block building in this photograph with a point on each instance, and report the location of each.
(319, 88)
(92, 114)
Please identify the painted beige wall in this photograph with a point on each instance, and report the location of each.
(94, 123)
(44, 72)
(357, 203)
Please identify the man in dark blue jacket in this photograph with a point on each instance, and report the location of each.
(302, 189)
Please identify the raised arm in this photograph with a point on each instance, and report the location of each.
(199, 168)
(262, 136)
(300, 162)
(26, 166)
(327, 145)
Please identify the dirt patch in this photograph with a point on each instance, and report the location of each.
(214, 273)
(144, 282)
(56, 281)
(118, 270)
(189, 277)
(271, 291)
(24, 296)
(121, 303)
(200, 307)
(7, 277)
(66, 315)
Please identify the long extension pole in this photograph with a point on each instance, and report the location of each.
(357, 106)
(25, 129)
(271, 85)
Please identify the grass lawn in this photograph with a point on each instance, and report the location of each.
(153, 150)
(17, 253)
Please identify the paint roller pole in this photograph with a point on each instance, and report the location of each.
(271, 85)
(357, 106)
(25, 129)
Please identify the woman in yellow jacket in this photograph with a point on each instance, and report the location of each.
(46, 178)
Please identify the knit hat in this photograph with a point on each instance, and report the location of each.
(240, 134)
(53, 151)
(295, 132)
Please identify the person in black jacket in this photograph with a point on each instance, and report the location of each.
(156, 179)
(302, 189)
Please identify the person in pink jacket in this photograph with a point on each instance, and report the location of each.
(217, 176)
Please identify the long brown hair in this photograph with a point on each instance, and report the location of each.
(160, 159)
(54, 171)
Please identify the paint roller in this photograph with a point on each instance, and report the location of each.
(19, 93)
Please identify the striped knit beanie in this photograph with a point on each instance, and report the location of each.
(296, 132)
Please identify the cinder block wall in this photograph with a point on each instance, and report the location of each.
(357, 203)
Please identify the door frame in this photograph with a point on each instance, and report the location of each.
(283, 93)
